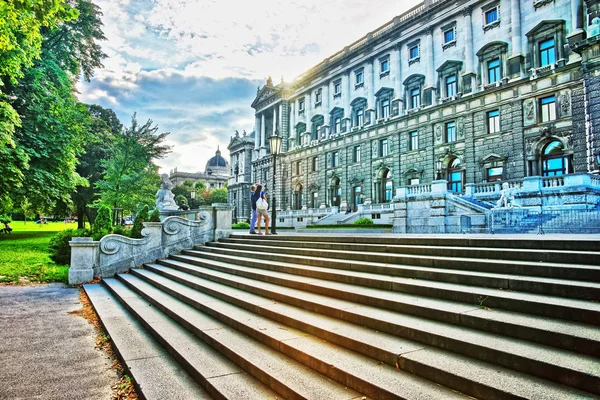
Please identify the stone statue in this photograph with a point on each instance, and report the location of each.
(507, 197)
(165, 199)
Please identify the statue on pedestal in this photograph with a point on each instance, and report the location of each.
(165, 199)
(507, 197)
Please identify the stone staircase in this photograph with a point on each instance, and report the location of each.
(342, 317)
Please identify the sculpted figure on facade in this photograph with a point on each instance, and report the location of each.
(529, 111)
(507, 197)
(165, 199)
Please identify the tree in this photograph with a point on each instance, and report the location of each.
(131, 177)
(219, 195)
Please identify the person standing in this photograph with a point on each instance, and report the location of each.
(263, 212)
(254, 194)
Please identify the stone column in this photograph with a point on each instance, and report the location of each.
(577, 33)
(429, 97)
(280, 119)
(262, 129)
(308, 105)
(370, 82)
(84, 259)
(274, 119)
(293, 122)
(398, 91)
(469, 82)
(257, 131)
(346, 91)
(515, 61)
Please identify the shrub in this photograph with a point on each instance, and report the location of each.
(241, 225)
(59, 248)
(155, 216)
(138, 224)
(5, 219)
(363, 221)
(120, 230)
(103, 222)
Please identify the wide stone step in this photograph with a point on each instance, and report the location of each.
(352, 370)
(288, 378)
(541, 285)
(480, 379)
(576, 370)
(155, 373)
(550, 331)
(551, 256)
(571, 309)
(546, 242)
(343, 258)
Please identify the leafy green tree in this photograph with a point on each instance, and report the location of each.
(200, 186)
(103, 222)
(219, 195)
(131, 177)
(138, 223)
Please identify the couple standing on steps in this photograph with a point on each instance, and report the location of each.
(259, 209)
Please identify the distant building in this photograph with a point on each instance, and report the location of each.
(238, 189)
(215, 175)
(420, 121)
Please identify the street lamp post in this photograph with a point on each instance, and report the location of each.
(438, 165)
(192, 197)
(275, 147)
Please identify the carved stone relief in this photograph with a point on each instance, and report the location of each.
(565, 104)
(460, 130)
(438, 134)
(529, 112)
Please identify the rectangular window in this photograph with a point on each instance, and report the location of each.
(360, 116)
(313, 166)
(415, 98)
(494, 174)
(413, 181)
(383, 148)
(384, 65)
(494, 70)
(548, 108)
(491, 16)
(450, 132)
(493, 121)
(356, 154)
(451, 87)
(335, 159)
(413, 52)
(298, 167)
(413, 143)
(449, 36)
(547, 52)
(337, 87)
(318, 97)
(337, 125)
(358, 77)
(385, 108)
(301, 105)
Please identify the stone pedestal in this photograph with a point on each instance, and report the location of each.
(223, 214)
(84, 253)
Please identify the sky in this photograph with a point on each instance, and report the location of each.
(193, 66)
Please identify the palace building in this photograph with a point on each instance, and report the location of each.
(215, 175)
(423, 120)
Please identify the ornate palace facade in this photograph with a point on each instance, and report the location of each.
(468, 92)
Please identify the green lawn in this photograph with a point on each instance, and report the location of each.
(24, 254)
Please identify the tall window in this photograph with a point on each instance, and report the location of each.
(415, 98)
(335, 161)
(493, 121)
(315, 200)
(337, 125)
(449, 36)
(385, 108)
(450, 132)
(337, 88)
(491, 16)
(387, 187)
(384, 65)
(313, 164)
(356, 154)
(494, 70)
(413, 52)
(300, 106)
(455, 176)
(554, 161)
(547, 52)
(451, 88)
(413, 143)
(548, 108)
(383, 148)
(318, 97)
(358, 77)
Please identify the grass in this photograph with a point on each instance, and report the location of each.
(24, 254)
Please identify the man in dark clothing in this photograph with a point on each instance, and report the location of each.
(184, 206)
(254, 195)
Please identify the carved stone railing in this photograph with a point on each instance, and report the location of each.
(115, 253)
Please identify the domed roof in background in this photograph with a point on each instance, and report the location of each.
(217, 164)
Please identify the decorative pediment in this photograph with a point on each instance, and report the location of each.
(268, 92)
(355, 181)
(413, 171)
(493, 157)
(313, 187)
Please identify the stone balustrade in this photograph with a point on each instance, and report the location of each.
(115, 253)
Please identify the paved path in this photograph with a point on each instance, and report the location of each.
(46, 352)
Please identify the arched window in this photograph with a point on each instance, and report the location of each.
(455, 175)
(317, 125)
(359, 106)
(384, 186)
(554, 160)
(336, 192)
(298, 197)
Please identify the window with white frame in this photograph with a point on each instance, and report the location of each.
(359, 76)
(491, 15)
(547, 52)
(413, 140)
(493, 71)
(414, 52)
(492, 58)
(413, 181)
(358, 111)
(337, 124)
(415, 98)
(337, 88)
(451, 132)
(413, 88)
(546, 44)
(383, 102)
(356, 154)
(384, 66)
(313, 164)
(384, 108)
(301, 106)
(451, 85)
(383, 148)
(318, 97)
(335, 159)
(449, 35)
(493, 121)
(336, 120)
(448, 74)
(548, 108)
